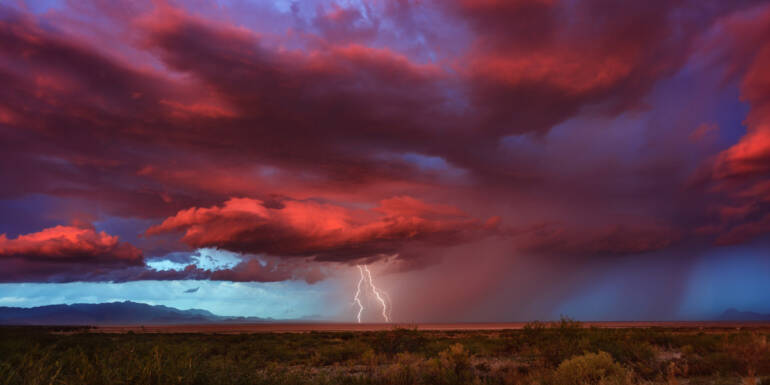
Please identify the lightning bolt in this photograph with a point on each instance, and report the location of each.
(357, 298)
(377, 294)
(390, 307)
(366, 275)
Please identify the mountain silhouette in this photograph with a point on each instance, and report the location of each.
(112, 313)
(736, 315)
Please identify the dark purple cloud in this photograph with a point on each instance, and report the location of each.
(345, 133)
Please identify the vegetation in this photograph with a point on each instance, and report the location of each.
(559, 353)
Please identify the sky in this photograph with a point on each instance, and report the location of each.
(486, 160)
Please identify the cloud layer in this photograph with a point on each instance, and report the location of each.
(324, 231)
(312, 136)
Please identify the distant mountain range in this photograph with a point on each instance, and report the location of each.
(113, 313)
(736, 315)
(133, 313)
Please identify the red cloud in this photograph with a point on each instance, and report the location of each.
(64, 253)
(68, 244)
(741, 174)
(322, 230)
(750, 157)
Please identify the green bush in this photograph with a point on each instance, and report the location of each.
(592, 369)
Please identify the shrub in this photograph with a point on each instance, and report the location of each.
(405, 370)
(453, 366)
(591, 368)
(400, 340)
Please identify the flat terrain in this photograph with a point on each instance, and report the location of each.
(560, 353)
(341, 327)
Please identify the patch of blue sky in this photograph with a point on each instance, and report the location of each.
(204, 258)
(278, 300)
